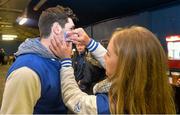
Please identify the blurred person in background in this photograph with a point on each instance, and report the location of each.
(2, 55)
(86, 69)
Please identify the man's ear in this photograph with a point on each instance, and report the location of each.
(56, 28)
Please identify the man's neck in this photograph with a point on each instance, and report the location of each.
(46, 42)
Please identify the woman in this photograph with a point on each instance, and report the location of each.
(135, 64)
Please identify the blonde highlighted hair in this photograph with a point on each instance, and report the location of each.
(140, 84)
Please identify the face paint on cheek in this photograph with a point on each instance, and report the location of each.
(66, 36)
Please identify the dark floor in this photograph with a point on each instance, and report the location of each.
(3, 70)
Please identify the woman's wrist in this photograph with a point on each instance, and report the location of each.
(88, 41)
(92, 45)
(66, 62)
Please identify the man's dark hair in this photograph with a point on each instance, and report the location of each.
(54, 14)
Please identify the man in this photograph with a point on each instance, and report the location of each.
(33, 82)
(2, 54)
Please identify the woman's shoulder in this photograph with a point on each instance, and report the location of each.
(102, 101)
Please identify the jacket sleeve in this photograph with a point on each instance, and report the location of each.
(97, 50)
(76, 100)
(22, 90)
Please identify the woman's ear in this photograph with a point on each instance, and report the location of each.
(56, 28)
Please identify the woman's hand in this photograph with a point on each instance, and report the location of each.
(80, 37)
(60, 48)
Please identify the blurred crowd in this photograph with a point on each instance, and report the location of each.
(4, 58)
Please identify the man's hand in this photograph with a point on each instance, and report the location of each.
(60, 48)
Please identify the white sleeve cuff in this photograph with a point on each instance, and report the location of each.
(92, 45)
(66, 62)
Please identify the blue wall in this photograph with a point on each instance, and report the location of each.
(166, 22)
(162, 22)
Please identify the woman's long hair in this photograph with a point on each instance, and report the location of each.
(140, 84)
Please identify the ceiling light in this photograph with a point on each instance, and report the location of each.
(173, 38)
(6, 26)
(9, 37)
(22, 21)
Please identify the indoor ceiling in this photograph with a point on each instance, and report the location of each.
(9, 11)
(87, 11)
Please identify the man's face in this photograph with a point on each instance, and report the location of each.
(69, 25)
(67, 30)
(57, 29)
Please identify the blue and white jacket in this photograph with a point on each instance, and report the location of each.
(33, 82)
(76, 100)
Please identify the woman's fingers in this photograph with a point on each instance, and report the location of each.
(75, 40)
(69, 45)
(60, 48)
(83, 38)
(53, 47)
(80, 31)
